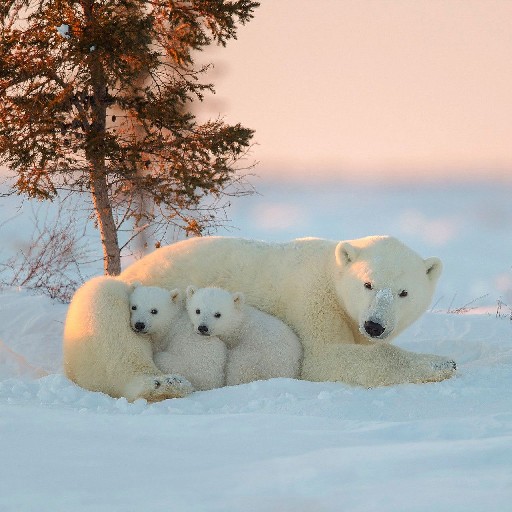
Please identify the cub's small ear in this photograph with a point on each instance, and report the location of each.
(175, 295)
(434, 268)
(238, 299)
(134, 285)
(190, 291)
(345, 253)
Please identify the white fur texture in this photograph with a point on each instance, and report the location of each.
(102, 353)
(161, 315)
(315, 286)
(261, 346)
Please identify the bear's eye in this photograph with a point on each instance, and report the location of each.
(368, 285)
(403, 293)
(217, 315)
(134, 308)
(154, 311)
(198, 311)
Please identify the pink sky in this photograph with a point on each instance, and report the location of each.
(354, 87)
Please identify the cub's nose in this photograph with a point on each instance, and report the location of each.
(203, 329)
(373, 329)
(139, 326)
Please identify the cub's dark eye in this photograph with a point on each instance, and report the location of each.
(198, 311)
(134, 308)
(368, 286)
(154, 311)
(217, 315)
(403, 293)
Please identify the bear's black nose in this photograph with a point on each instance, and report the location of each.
(139, 326)
(203, 329)
(373, 329)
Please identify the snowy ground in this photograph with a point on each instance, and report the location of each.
(285, 445)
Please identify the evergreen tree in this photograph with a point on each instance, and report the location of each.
(95, 97)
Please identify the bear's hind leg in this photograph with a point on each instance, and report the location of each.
(102, 353)
(157, 388)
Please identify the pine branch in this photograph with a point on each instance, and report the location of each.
(96, 97)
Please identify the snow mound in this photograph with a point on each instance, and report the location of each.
(276, 445)
(14, 365)
(481, 344)
(32, 326)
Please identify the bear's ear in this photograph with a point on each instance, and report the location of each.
(345, 253)
(190, 291)
(434, 268)
(175, 295)
(134, 285)
(238, 299)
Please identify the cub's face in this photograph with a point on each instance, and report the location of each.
(213, 311)
(152, 309)
(383, 285)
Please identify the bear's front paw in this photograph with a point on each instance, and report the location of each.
(435, 368)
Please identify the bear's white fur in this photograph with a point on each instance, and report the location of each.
(122, 366)
(317, 287)
(261, 346)
(161, 315)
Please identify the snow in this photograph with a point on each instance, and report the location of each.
(279, 445)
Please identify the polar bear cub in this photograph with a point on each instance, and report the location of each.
(177, 348)
(260, 345)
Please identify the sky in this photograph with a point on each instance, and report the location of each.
(358, 88)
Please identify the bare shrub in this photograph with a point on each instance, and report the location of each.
(466, 308)
(503, 310)
(50, 261)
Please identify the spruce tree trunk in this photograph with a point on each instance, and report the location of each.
(106, 224)
(95, 154)
(99, 190)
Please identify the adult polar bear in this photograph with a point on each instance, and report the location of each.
(341, 298)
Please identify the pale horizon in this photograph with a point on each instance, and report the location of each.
(372, 89)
